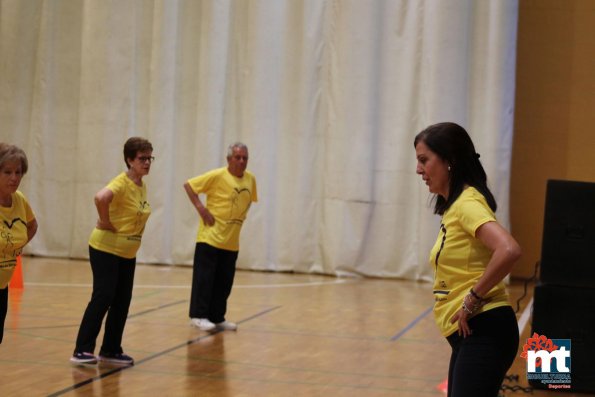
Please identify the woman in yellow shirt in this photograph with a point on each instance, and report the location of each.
(472, 255)
(123, 212)
(17, 220)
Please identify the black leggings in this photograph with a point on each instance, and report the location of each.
(113, 278)
(479, 362)
(3, 309)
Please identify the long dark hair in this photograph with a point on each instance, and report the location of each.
(452, 144)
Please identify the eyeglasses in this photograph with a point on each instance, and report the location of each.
(238, 158)
(144, 159)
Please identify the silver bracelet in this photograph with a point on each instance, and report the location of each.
(465, 308)
(474, 307)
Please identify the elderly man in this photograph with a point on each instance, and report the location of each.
(229, 193)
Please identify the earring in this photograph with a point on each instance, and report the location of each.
(449, 168)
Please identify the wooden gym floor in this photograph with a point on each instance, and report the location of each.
(299, 335)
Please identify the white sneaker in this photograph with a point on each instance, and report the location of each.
(227, 325)
(202, 323)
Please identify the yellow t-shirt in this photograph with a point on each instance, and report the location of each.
(462, 259)
(13, 234)
(228, 200)
(128, 212)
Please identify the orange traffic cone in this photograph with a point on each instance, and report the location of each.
(17, 277)
(443, 386)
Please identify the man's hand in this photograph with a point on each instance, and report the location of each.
(206, 216)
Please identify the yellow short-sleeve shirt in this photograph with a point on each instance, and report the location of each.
(129, 212)
(13, 234)
(459, 259)
(228, 200)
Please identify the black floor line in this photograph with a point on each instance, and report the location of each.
(151, 357)
(77, 324)
(157, 308)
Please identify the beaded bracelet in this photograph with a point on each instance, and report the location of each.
(479, 298)
(475, 306)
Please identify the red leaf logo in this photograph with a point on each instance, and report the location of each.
(538, 342)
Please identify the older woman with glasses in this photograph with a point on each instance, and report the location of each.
(123, 212)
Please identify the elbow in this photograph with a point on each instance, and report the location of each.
(103, 198)
(31, 229)
(514, 252)
(99, 198)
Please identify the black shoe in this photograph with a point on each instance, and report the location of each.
(118, 358)
(83, 358)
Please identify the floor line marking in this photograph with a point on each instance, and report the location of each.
(412, 324)
(152, 286)
(151, 357)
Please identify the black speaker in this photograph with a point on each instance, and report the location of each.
(568, 313)
(567, 251)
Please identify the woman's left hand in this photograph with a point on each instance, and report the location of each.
(461, 316)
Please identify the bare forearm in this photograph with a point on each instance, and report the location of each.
(103, 200)
(498, 268)
(194, 199)
(31, 229)
(505, 252)
(202, 210)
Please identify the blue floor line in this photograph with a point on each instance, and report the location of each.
(412, 324)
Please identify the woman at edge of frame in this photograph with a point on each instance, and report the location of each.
(471, 257)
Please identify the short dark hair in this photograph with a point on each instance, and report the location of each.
(133, 146)
(452, 143)
(10, 152)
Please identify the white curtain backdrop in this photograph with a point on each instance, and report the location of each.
(327, 94)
